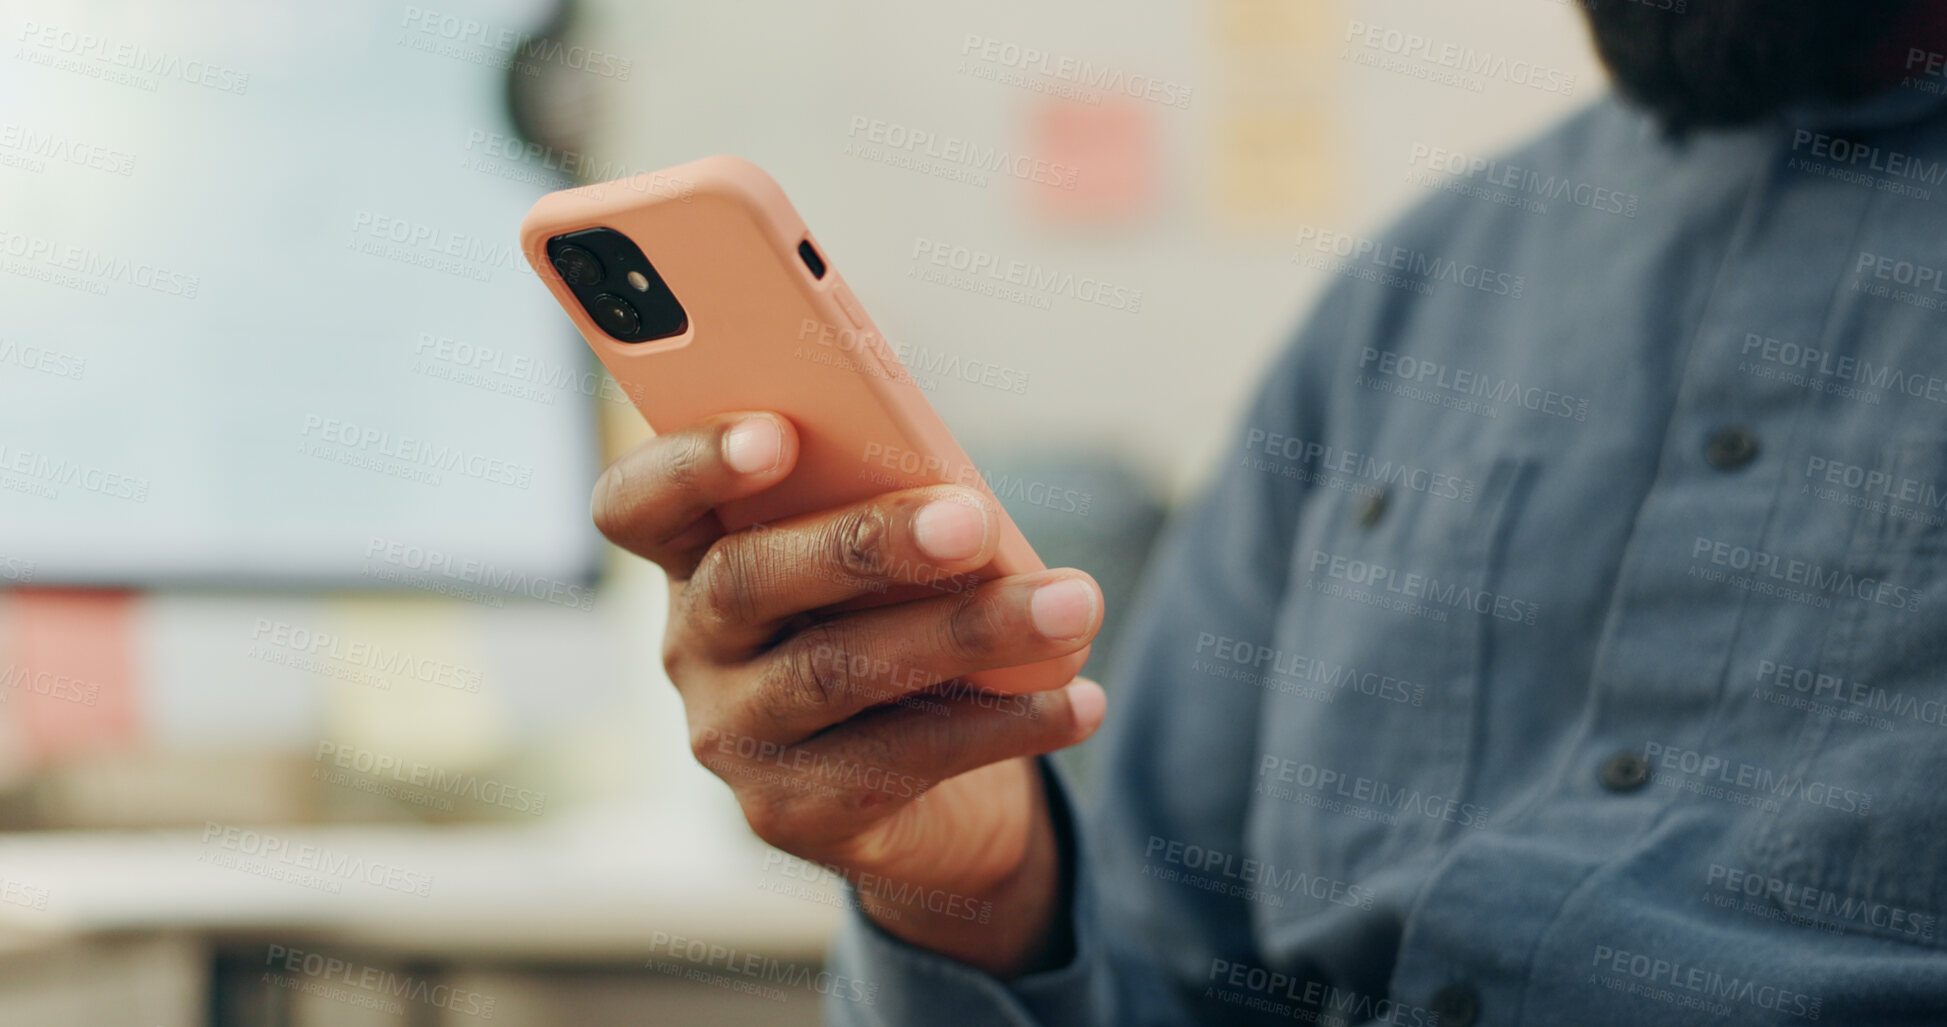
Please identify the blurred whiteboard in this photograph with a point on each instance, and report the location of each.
(262, 310)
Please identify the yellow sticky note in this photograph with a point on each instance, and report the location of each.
(409, 684)
(1275, 166)
(1289, 27)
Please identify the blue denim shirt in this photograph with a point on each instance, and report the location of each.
(1564, 637)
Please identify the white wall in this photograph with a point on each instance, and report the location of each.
(779, 82)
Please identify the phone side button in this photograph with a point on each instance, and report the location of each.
(869, 344)
(851, 306)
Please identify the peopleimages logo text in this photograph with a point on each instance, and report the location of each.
(1412, 46)
(1850, 369)
(1812, 577)
(429, 567)
(1423, 587)
(1416, 265)
(951, 149)
(1476, 384)
(1080, 72)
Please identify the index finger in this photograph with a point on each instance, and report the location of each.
(658, 500)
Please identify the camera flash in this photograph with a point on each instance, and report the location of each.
(639, 280)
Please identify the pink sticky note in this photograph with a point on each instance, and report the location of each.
(1102, 156)
(71, 686)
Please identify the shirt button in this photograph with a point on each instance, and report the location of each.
(1456, 1005)
(1731, 448)
(1626, 771)
(1372, 508)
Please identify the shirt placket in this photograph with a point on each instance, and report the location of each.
(1678, 618)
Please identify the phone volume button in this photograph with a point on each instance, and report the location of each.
(867, 343)
(850, 305)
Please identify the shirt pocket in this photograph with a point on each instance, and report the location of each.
(1369, 732)
(1866, 851)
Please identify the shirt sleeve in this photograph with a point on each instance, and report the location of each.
(1174, 762)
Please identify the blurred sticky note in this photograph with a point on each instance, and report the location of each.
(1276, 26)
(71, 679)
(409, 681)
(1275, 165)
(1109, 147)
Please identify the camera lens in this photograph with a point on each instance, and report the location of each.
(577, 266)
(615, 315)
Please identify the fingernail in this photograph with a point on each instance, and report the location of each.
(752, 446)
(1062, 610)
(1088, 702)
(950, 529)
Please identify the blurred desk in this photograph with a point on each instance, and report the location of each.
(538, 919)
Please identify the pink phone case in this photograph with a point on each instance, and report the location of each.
(766, 334)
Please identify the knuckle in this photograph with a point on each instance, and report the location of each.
(722, 591)
(776, 808)
(1052, 717)
(676, 660)
(686, 458)
(772, 815)
(608, 508)
(808, 675)
(977, 628)
(621, 497)
(858, 542)
(785, 815)
(703, 745)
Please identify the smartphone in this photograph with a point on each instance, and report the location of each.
(702, 292)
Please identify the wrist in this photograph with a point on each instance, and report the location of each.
(1015, 925)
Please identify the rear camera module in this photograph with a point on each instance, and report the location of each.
(594, 265)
